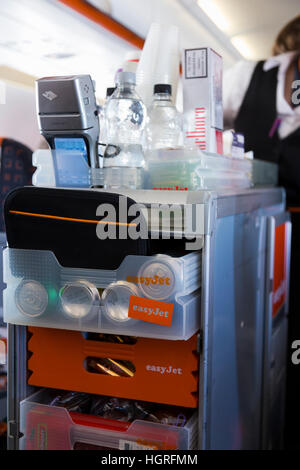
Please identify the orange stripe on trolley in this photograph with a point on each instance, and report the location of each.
(71, 219)
(294, 209)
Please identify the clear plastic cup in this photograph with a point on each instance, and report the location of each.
(159, 62)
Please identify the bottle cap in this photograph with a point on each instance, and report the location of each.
(163, 88)
(125, 77)
(109, 91)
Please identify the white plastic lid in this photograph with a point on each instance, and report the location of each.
(157, 279)
(31, 298)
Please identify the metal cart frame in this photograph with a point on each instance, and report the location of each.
(242, 349)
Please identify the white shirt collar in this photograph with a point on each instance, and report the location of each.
(281, 60)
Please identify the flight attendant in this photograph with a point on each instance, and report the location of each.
(261, 101)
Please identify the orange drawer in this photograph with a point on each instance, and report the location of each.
(159, 371)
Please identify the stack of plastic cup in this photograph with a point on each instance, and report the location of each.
(159, 62)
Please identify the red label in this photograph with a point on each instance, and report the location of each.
(219, 140)
(152, 311)
(198, 134)
(280, 269)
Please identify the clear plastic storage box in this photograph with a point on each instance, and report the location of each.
(193, 169)
(265, 173)
(183, 168)
(46, 427)
(149, 296)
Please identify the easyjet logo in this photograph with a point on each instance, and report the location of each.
(156, 280)
(164, 370)
(177, 188)
(152, 311)
(154, 446)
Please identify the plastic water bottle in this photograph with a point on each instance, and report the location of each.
(102, 123)
(125, 121)
(102, 115)
(164, 121)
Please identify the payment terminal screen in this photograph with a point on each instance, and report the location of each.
(71, 143)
